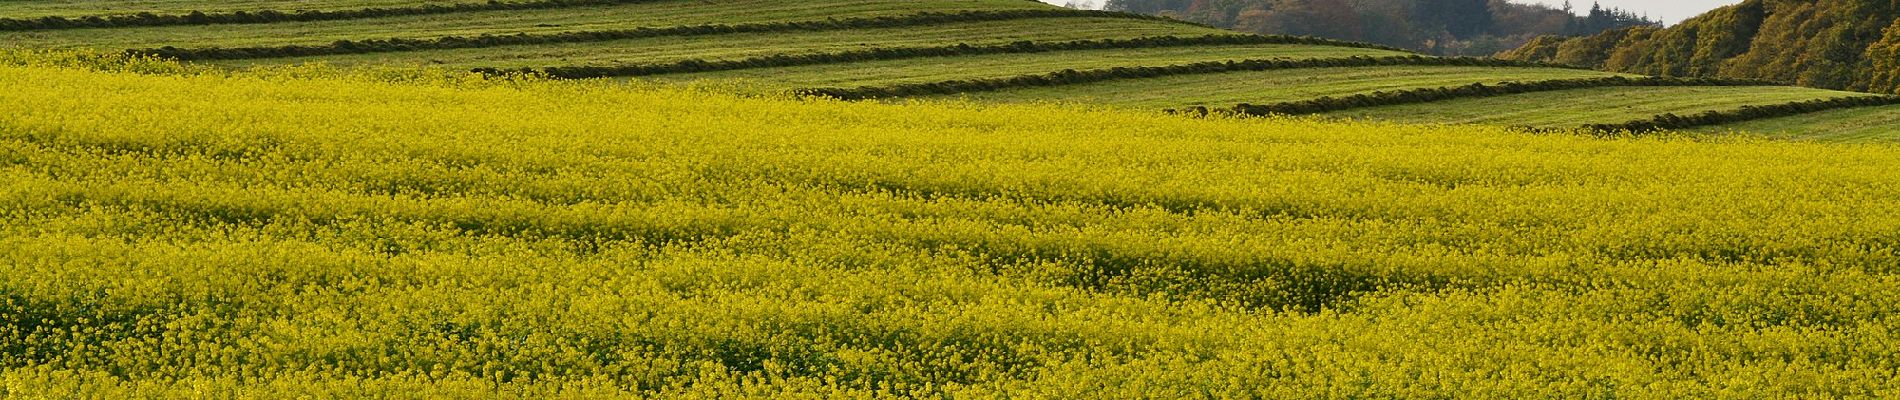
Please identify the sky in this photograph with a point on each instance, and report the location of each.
(1669, 11)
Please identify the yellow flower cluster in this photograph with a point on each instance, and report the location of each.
(169, 233)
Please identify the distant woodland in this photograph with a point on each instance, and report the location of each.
(1443, 27)
(1833, 44)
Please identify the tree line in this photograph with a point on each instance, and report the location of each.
(1834, 44)
(1443, 27)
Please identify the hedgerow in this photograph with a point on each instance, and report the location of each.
(1426, 95)
(1670, 121)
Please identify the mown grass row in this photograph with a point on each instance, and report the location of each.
(1427, 95)
(898, 53)
(1224, 90)
(662, 50)
(652, 14)
(1847, 125)
(1671, 121)
(1572, 109)
(147, 19)
(460, 42)
(1073, 77)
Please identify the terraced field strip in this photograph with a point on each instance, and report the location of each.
(752, 45)
(396, 45)
(1569, 108)
(1229, 88)
(27, 9)
(1851, 125)
(200, 17)
(996, 66)
(904, 53)
(1674, 122)
(656, 14)
(1471, 91)
(1073, 77)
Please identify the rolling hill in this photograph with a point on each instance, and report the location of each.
(986, 50)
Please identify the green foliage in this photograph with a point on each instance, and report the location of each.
(1543, 48)
(1883, 60)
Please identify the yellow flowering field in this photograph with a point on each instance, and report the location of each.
(173, 232)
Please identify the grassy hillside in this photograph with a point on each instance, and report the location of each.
(313, 233)
(988, 50)
(1838, 44)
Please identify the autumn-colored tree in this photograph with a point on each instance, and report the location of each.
(1835, 44)
(1883, 62)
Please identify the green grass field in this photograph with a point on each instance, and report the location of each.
(1230, 88)
(734, 46)
(1214, 90)
(935, 69)
(81, 8)
(1870, 124)
(1600, 105)
(1140, 93)
(661, 13)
